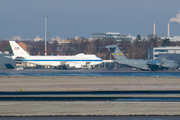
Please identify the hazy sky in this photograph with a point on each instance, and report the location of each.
(70, 18)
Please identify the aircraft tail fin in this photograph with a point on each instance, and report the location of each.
(17, 50)
(116, 52)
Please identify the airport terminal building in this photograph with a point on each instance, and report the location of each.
(153, 52)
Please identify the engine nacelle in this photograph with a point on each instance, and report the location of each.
(74, 65)
(14, 57)
(77, 66)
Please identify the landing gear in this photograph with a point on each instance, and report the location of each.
(90, 67)
(56, 68)
(61, 67)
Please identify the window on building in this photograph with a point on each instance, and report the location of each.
(158, 50)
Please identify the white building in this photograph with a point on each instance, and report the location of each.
(173, 39)
(112, 36)
(38, 38)
(16, 38)
(153, 52)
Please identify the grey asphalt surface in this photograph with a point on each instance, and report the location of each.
(86, 72)
(18, 105)
(93, 118)
(90, 96)
(127, 92)
(73, 99)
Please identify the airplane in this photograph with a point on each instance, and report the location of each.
(59, 62)
(148, 65)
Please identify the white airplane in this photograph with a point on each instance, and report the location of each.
(59, 62)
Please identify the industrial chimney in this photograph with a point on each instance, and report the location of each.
(168, 31)
(154, 31)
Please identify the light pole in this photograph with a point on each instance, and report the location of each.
(110, 59)
(45, 16)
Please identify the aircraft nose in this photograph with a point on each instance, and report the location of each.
(176, 64)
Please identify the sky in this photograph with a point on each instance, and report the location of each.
(71, 18)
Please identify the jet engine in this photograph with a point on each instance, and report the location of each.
(74, 65)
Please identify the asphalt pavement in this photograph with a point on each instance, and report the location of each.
(86, 72)
(91, 96)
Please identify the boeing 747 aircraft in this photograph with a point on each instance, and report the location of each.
(60, 62)
(152, 65)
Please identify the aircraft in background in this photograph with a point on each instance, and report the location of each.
(152, 65)
(59, 62)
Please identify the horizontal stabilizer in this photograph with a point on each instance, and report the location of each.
(80, 54)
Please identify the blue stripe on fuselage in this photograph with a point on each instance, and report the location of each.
(41, 60)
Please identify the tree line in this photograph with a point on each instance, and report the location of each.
(138, 49)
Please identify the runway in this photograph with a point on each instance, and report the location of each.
(108, 94)
(90, 96)
(70, 93)
(106, 117)
(117, 99)
(86, 72)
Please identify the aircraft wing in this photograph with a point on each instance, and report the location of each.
(8, 57)
(15, 57)
(156, 64)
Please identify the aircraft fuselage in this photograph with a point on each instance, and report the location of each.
(83, 60)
